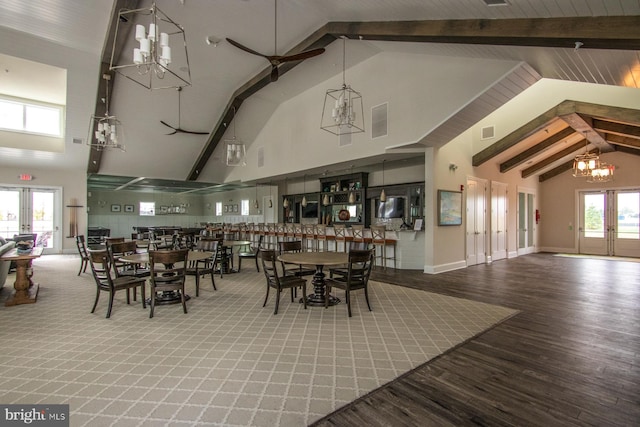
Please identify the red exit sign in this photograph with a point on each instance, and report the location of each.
(25, 177)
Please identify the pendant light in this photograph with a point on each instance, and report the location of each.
(256, 205)
(383, 196)
(352, 194)
(325, 200)
(285, 202)
(304, 191)
(270, 201)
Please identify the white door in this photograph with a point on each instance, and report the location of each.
(25, 210)
(526, 221)
(498, 220)
(476, 217)
(609, 223)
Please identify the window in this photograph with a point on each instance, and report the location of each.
(29, 116)
(147, 208)
(219, 208)
(244, 207)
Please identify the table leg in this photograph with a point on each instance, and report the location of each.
(317, 298)
(26, 292)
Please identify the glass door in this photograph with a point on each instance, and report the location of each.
(25, 210)
(526, 221)
(609, 223)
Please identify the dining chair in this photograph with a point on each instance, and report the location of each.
(249, 252)
(340, 235)
(289, 269)
(353, 246)
(84, 255)
(101, 270)
(167, 274)
(200, 268)
(359, 270)
(278, 281)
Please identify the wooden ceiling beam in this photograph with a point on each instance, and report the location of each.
(531, 170)
(614, 128)
(540, 147)
(558, 170)
(623, 141)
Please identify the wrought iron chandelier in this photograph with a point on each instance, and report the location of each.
(106, 132)
(160, 60)
(343, 112)
(584, 164)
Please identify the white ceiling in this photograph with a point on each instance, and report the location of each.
(218, 71)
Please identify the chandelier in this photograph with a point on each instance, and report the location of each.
(106, 131)
(603, 173)
(234, 148)
(152, 63)
(343, 112)
(584, 164)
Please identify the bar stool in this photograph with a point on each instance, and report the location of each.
(310, 237)
(259, 231)
(321, 236)
(298, 234)
(340, 235)
(281, 233)
(289, 232)
(357, 231)
(379, 240)
(270, 235)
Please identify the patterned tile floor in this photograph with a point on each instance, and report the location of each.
(228, 362)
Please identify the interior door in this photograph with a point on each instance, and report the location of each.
(526, 221)
(626, 237)
(476, 225)
(25, 210)
(498, 220)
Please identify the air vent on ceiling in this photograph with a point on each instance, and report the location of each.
(260, 157)
(488, 132)
(379, 120)
(77, 140)
(496, 2)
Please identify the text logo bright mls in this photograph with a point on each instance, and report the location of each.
(37, 415)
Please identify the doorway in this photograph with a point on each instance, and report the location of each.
(29, 210)
(476, 221)
(526, 221)
(499, 205)
(609, 223)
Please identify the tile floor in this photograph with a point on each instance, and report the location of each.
(228, 362)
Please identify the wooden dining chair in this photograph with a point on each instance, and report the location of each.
(101, 270)
(201, 268)
(293, 269)
(168, 274)
(359, 270)
(84, 255)
(278, 281)
(250, 251)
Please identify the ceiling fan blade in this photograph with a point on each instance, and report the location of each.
(169, 126)
(246, 49)
(302, 55)
(274, 73)
(178, 130)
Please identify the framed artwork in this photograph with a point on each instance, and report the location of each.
(128, 208)
(115, 208)
(164, 209)
(235, 208)
(449, 207)
(226, 208)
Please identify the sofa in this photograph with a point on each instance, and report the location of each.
(4, 265)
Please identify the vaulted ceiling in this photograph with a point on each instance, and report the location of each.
(540, 33)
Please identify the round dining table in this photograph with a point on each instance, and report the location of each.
(319, 260)
(166, 297)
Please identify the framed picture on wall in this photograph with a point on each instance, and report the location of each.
(226, 208)
(115, 208)
(128, 208)
(235, 208)
(449, 207)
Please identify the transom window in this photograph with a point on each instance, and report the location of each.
(28, 116)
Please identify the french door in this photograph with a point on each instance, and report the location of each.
(609, 223)
(499, 204)
(476, 221)
(28, 210)
(526, 221)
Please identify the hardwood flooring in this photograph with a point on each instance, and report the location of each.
(571, 357)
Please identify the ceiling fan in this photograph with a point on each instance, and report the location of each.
(274, 59)
(179, 129)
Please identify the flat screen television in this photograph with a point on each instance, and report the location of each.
(393, 207)
(310, 211)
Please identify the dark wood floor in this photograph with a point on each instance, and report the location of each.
(571, 357)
